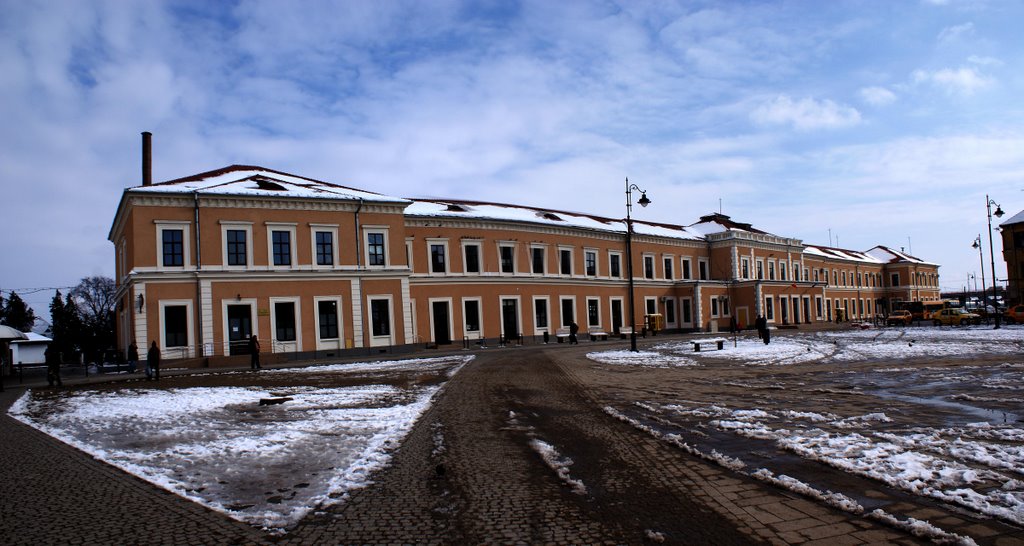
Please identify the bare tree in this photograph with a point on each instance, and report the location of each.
(95, 299)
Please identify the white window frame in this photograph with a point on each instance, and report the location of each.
(451, 316)
(385, 231)
(668, 266)
(622, 271)
(561, 315)
(769, 308)
(572, 260)
(479, 332)
(543, 263)
(225, 334)
(430, 260)
(479, 257)
(819, 307)
(597, 266)
(744, 268)
(771, 270)
(281, 226)
(707, 269)
(515, 268)
(686, 268)
(328, 343)
(286, 346)
(519, 314)
(380, 341)
(190, 348)
(654, 265)
(596, 301)
(186, 242)
(759, 268)
(326, 228)
(684, 302)
(539, 330)
(228, 225)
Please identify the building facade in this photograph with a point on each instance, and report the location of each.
(1012, 231)
(206, 261)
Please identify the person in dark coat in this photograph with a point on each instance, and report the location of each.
(153, 362)
(52, 359)
(254, 351)
(573, 330)
(133, 357)
(766, 334)
(761, 325)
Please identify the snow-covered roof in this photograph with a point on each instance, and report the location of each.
(447, 208)
(246, 180)
(1015, 219)
(841, 253)
(885, 254)
(33, 338)
(719, 223)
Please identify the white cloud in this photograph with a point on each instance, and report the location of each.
(805, 114)
(877, 96)
(956, 32)
(958, 81)
(984, 61)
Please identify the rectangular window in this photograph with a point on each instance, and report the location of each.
(375, 250)
(648, 267)
(769, 310)
(686, 311)
(537, 255)
(472, 253)
(593, 313)
(796, 272)
(472, 315)
(714, 307)
(652, 305)
(380, 317)
(760, 270)
(686, 269)
(745, 268)
(782, 271)
(437, 259)
(236, 247)
(282, 247)
(508, 263)
(668, 269)
(328, 314)
(725, 307)
(771, 270)
(284, 320)
(174, 249)
(615, 265)
(324, 248)
(590, 258)
(670, 311)
(565, 261)
(175, 326)
(540, 313)
(567, 311)
(702, 265)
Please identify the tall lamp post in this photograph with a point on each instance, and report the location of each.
(643, 202)
(991, 255)
(981, 260)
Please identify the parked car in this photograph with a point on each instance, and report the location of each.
(955, 316)
(899, 318)
(1015, 314)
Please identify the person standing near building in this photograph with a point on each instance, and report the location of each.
(254, 351)
(133, 357)
(573, 330)
(153, 362)
(52, 359)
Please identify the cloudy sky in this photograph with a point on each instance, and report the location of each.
(884, 122)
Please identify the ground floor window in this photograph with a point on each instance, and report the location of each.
(769, 309)
(687, 312)
(567, 311)
(175, 326)
(380, 317)
(327, 311)
(540, 314)
(284, 321)
(593, 313)
(471, 310)
(670, 312)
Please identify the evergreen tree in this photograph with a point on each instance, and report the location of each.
(72, 330)
(60, 332)
(3, 309)
(17, 315)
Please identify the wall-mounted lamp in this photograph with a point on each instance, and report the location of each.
(141, 301)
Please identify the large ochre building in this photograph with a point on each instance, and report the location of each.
(315, 268)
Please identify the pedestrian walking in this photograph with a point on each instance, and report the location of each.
(52, 359)
(153, 363)
(760, 324)
(133, 357)
(254, 352)
(573, 330)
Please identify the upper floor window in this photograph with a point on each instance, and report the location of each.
(565, 261)
(472, 256)
(375, 249)
(771, 270)
(173, 247)
(686, 269)
(438, 261)
(508, 262)
(324, 248)
(282, 247)
(894, 279)
(615, 265)
(782, 270)
(668, 269)
(237, 254)
(702, 266)
(760, 269)
(648, 267)
(537, 256)
(745, 268)
(590, 259)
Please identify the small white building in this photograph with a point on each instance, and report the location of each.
(31, 350)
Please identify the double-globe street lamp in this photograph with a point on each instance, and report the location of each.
(991, 255)
(643, 202)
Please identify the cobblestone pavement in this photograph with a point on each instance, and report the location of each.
(468, 473)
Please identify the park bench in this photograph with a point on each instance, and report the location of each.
(562, 334)
(597, 334)
(625, 332)
(718, 341)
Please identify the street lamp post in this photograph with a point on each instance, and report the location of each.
(991, 255)
(981, 260)
(643, 202)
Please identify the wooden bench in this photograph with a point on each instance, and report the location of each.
(562, 334)
(625, 332)
(718, 341)
(597, 334)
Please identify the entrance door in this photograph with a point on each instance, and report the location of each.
(742, 317)
(510, 319)
(442, 335)
(239, 329)
(616, 316)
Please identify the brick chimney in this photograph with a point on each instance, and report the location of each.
(147, 158)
